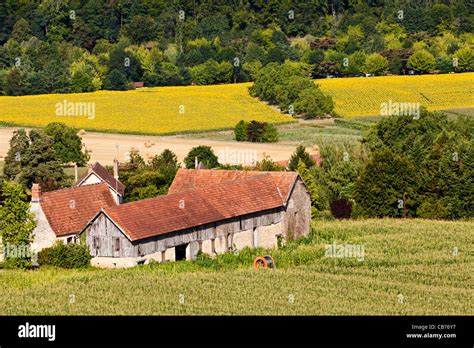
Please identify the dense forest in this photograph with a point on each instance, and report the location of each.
(60, 46)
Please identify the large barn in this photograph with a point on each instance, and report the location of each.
(212, 211)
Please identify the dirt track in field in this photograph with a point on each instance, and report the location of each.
(106, 146)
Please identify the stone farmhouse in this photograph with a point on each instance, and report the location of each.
(212, 211)
(62, 214)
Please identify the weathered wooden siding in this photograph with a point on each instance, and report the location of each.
(221, 232)
(105, 230)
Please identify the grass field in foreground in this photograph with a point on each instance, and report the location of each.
(157, 110)
(410, 267)
(362, 96)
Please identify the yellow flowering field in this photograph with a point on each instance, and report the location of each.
(363, 96)
(157, 110)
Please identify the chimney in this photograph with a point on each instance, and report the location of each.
(75, 172)
(116, 165)
(36, 193)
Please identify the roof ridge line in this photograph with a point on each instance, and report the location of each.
(76, 187)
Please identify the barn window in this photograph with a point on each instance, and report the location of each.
(70, 240)
(116, 244)
(96, 243)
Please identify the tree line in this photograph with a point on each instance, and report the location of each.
(59, 46)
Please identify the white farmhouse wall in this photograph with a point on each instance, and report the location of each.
(43, 234)
(91, 180)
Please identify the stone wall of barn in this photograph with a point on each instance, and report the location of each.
(297, 215)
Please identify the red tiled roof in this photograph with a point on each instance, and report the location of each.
(190, 179)
(104, 174)
(282, 163)
(178, 211)
(69, 210)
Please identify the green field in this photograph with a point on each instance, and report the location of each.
(410, 267)
(308, 133)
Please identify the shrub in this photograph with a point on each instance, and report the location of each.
(300, 154)
(211, 72)
(310, 183)
(16, 223)
(255, 131)
(240, 131)
(267, 165)
(204, 154)
(422, 61)
(16, 263)
(270, 134)
(313, 103)
(65, 255)
(341, 208)
(385, 181)
(116, 81)
(375, 64)
(465, 59)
